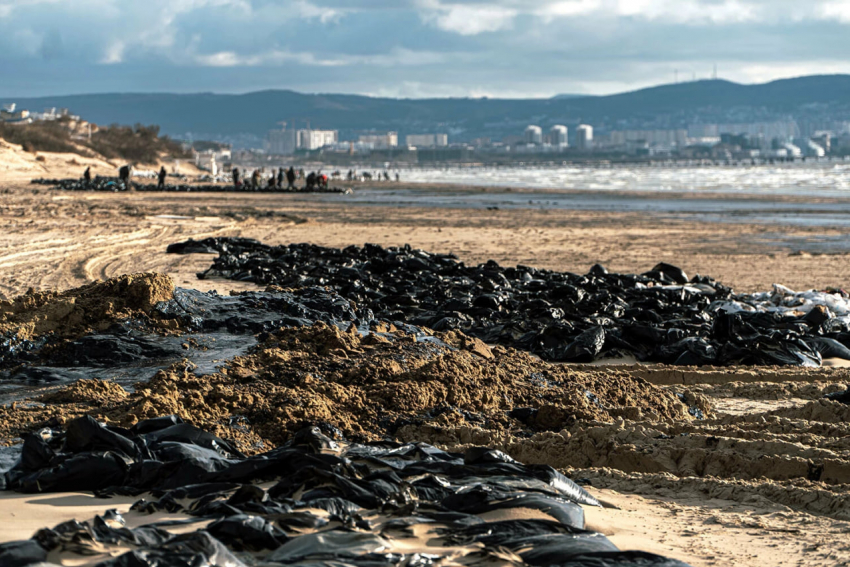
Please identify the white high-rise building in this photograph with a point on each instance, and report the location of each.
(287, 142)
(281, 142)
(316, 139)
(427, 140)
(558, 136)
(380, 141)
(533, 135)
(584, 137)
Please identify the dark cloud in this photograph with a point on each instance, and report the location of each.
(52, 46)
(410, 47)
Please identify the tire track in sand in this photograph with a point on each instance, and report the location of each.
(61, 263)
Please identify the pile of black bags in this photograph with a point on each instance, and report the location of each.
(326, 502)
(115, 184)
(659, 316)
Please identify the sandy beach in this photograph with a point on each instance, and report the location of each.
(62, 239)
(708, 511)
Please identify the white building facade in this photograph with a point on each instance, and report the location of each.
(584, 137)
(533, 134)
(558, 136)
(427, 140)
(316, 139)
(380, 141)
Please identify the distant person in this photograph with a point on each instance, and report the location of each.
(323, 181)
(87, 175)
(272, 181)
(290, 178)
(311, 181)
(281, 175)
(255, 179)
(236, 182)
(124, 175)
(162, 175)
(397, 177)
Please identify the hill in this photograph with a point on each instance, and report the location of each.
(141, 144)
(245, 119)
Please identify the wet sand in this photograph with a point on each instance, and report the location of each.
(59, 240)
(22, 515)
(51, 239)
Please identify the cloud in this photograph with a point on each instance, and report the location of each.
(52, 46)
(395, 58)
(836, 10)
(411, 47)
(567, 8)
(461, 17)
(467, 19)
(324, 14)
(689, 11)
(114, 53)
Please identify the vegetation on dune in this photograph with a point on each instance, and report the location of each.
(138, 144)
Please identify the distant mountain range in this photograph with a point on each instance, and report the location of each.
(245, 119)
(566, 96)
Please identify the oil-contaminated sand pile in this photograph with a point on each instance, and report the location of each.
(254, 369)
(316, 361)
(73, 313)
(659, 316)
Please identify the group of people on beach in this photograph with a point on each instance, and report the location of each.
(367, 176)
(124, 173)
(257, 180)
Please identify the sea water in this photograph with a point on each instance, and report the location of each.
(811, 178)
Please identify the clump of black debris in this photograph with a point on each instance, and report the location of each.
(316, 500)
(135, 349)
(114, 184)
(659, 316)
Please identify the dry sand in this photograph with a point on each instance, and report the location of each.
(59, 240)
(51, 239)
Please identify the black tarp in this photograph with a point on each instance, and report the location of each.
(373, 496)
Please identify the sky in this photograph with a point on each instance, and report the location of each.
(411, 48)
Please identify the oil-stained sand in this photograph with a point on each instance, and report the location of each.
(716, 508)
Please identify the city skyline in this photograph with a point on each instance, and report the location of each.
(412, 48)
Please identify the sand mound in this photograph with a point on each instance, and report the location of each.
(86, 392)
(92, 307)
(18, 164)
(367, 386)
